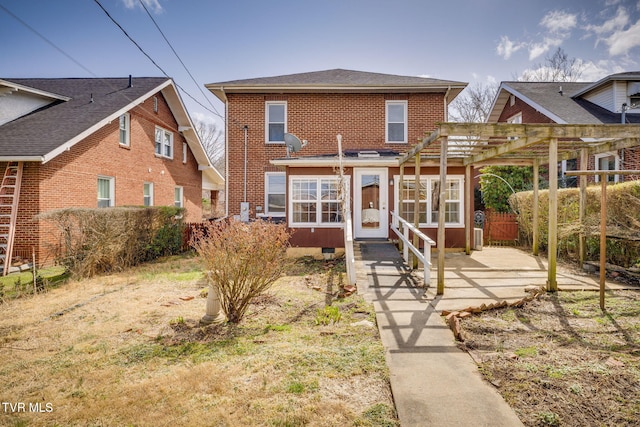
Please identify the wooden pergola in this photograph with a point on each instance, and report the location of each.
(481, 144)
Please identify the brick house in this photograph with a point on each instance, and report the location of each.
(613, 99)
(379, 116)
(97, 142)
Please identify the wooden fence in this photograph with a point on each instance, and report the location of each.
(500, 228)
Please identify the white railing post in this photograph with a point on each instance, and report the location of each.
(425, 255)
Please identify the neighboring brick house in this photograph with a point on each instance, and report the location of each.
(613, 99)
(98, 142)
(378, 115)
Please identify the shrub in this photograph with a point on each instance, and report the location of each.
(243, 260)
(94, 241)
(623, 221)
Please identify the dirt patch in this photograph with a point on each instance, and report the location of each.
(560, 360)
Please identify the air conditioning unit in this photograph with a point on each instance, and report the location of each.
(478, 236)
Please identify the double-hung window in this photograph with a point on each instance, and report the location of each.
(106, 191)
(164, 143)
(428, 200)
(275, 186)
(314, 201)
(396, 122)
(276, 121)
(125, 129)
(147, 194)
(178, 197)
(608, 162)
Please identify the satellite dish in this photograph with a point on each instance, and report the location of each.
(293, 143)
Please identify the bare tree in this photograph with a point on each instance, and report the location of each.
(212, 139)
(474, 104)
(557, 68)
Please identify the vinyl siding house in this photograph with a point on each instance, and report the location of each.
(611, 100)
(379, 117)
(96, 142)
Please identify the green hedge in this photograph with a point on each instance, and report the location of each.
(623, 221)
(94, 241)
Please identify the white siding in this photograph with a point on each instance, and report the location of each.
(620, 96)
(603, 96)
(17, 104)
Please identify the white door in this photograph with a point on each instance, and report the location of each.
(370, 216)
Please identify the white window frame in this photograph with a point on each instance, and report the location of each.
(184, 152)
(429, 180)
(405, 122)
(616, 157)
(163, 145)
(148, 185)
(112, 191)
(515, 119)
(318, 223)
(124, 129)
(178, 191)
(267, 177)
(267, 120)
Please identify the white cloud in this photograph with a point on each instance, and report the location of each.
(558, 21)
(621, 42)
(614, 24)
(152, 5)
(617, 33)
(538, 49)
(506, 47)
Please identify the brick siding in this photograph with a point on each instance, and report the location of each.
(70, 179)
(318, 118)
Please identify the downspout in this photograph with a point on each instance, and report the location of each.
(246, 132)
(446, 104)
(226, 159)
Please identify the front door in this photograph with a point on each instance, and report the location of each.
(371, 216)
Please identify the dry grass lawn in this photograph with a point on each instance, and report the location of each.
(126, 349)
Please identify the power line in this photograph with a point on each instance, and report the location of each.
(78, 63)
(152, 61)
(177, 56)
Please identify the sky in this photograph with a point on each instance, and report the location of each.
(474, 41)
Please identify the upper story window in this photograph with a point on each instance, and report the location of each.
(396, 118)
(275, 193)
(106, 191)
(164, 143)
(276, 121)
(125, 129)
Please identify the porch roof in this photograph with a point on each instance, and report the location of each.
(350, 158)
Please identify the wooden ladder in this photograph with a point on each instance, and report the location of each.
(9, 198)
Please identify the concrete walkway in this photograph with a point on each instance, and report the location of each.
(434, 383)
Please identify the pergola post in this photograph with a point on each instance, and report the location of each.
(468, 209)
(441, 214)
(603, 236)
(582, 242)
(400, 203)
(536, 207)
(552, 282)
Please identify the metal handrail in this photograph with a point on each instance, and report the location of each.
(425, 255)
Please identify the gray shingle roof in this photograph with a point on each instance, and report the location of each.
(567, 107)
(50, 127)
(341, 77)
(334, 81)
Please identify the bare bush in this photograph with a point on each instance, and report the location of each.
(94, 241)
(243, 260)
